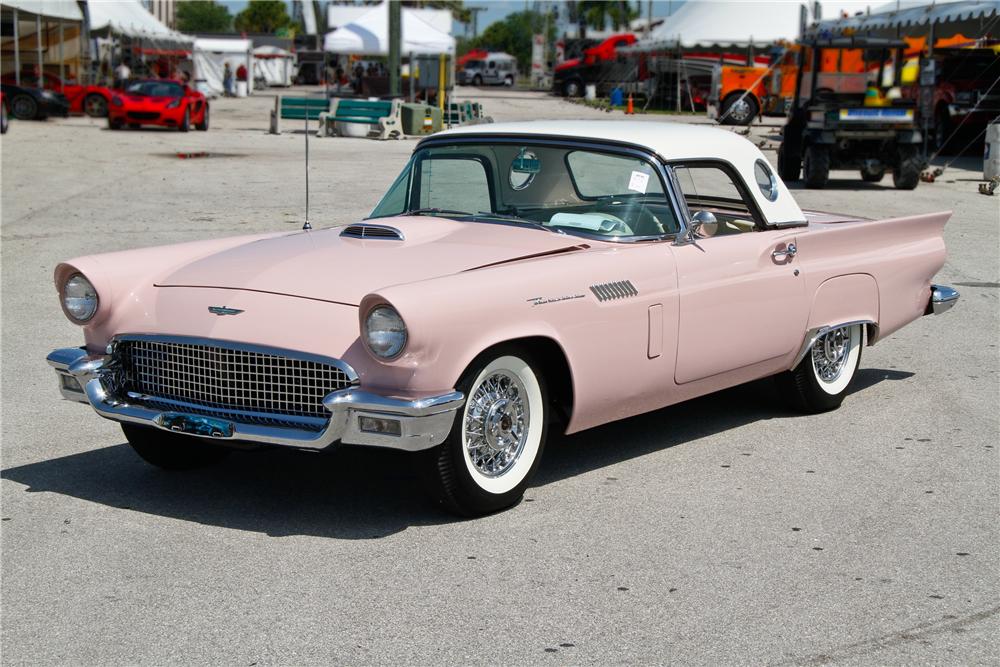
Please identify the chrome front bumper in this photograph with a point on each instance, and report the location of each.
(422, 422)
(942, 298)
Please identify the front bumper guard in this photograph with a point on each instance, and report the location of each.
(423, 421)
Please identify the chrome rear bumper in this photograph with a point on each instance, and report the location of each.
(357, 417)
(942, 298)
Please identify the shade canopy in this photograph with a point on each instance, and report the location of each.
(64, 10)
(129, 18)
(972, 18)
(368, 35)
(210, 59)
(711, 24)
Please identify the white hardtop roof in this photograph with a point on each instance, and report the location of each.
(670, 140)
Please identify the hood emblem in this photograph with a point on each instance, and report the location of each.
(224, 310)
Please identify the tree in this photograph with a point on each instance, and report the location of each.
(203, 16)
(514, 35)
(266, 16)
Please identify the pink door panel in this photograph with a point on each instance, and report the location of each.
(739, 304)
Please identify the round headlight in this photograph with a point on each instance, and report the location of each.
(385, 332)
(79, 298)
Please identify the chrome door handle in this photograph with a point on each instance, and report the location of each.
(787, 253)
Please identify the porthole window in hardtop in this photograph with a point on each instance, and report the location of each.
(766, 180)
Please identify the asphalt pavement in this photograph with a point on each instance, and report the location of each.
(726, 530)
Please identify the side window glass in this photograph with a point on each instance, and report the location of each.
(459, 184)
(712, 189)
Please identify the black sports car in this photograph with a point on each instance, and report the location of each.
(26, 103)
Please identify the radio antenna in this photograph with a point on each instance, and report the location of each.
(307, 226)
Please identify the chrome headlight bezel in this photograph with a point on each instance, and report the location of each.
(385, 320)
(82, 289)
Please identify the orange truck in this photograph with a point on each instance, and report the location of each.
(740, 93)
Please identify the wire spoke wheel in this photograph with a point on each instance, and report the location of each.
(830, 353)
(496, 424)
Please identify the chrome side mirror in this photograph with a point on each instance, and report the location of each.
(702, 224)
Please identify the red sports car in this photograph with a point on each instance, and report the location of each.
(91, 100)
(158, 102)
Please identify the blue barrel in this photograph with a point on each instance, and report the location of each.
(617, 97)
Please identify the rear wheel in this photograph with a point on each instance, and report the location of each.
(23, 107)
(508, 81)
(789, 162)
(497, 440)
(171, 451)
(739, 110)
(185, 122)
(820, 382)
(816, 166)
(3, 118)
(573, 88)
(906, 175)
(203, 125)
(95, 105)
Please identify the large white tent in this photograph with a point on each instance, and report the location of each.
(726, 24)
(210, 58)
(973, 18)
(273, 64)
(368, 35)
(129, 18)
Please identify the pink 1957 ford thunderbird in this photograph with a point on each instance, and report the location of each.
(514, 276)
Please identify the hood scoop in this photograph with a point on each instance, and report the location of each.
(366, 231)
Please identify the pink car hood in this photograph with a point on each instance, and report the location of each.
(325, 266)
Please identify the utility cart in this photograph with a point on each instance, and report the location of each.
(848, 112)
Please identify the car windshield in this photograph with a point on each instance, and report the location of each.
(474, 64)
(155, 89)
(583, 191)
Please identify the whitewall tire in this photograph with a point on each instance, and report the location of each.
(497, 440)
(821, 380)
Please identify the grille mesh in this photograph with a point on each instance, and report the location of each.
(226, 379)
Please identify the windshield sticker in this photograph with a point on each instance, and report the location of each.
(638, 182)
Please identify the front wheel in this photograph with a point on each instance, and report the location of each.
(185, 122)
(95, 105)
(820, 382)
(203, 125)
(24, 108)
(573, 88)
(477, 81)
(172, 451)
(497, 440)
(739, 110)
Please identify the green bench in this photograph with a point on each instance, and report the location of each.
(383, 117)
(296, 108)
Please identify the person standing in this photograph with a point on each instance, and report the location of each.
(227, 80)
(122, 74)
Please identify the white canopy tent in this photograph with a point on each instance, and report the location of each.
(368, 35)
(730, 24)
(973, 18)
(340, 15)
(210, 58)
(129, 18)
(273, 64)
(66, 10)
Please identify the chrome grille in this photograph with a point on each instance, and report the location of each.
(227, 378)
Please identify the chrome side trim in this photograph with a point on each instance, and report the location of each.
(619, 289)
(871, 336)
(942, 299)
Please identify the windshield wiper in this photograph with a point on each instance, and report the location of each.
(436, 211)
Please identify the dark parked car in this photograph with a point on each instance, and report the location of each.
(26, 103)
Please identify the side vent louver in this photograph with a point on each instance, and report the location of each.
(372, 232)
(622, 289)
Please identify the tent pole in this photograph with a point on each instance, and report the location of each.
(395, 39)
(412, 70)
(17, 51)
(62, 59)
(441, 82)
(38, 48)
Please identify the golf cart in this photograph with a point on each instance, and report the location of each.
(851, 119)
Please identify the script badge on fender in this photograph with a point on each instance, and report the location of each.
(224, 310)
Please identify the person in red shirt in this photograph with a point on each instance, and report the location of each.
(241, 73)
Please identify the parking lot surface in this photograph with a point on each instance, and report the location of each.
(725, 530)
